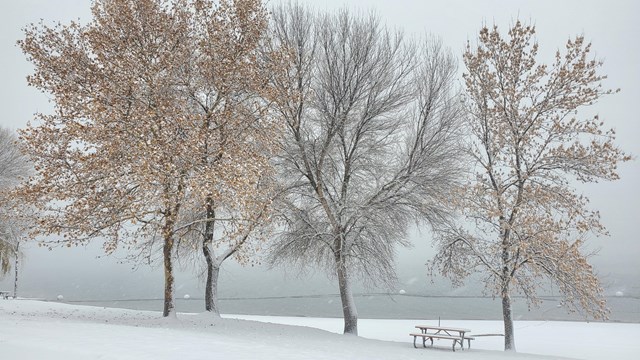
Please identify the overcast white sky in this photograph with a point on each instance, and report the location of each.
(612, 26)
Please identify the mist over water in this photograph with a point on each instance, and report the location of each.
(87, 277)
(385, 306)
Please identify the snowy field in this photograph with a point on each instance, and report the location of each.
(46, 330)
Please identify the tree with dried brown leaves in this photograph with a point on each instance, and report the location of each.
(372, 145)
(162, 110)
(529, 146)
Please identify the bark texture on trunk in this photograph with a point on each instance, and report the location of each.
(167, 250)
(349, 312)
(509, 340)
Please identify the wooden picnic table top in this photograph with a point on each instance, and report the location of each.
(442, 328)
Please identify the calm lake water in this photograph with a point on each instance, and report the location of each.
(385, 306)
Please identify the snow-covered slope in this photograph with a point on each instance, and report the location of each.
(43, 330)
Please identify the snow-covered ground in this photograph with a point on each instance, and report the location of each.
(46, 330)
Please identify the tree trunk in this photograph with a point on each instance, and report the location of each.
(509, 340)
(15, 271)
(507, 273)
(349, 312)
(211, 287)
(213, 266)
(208, 291)
(169, 305)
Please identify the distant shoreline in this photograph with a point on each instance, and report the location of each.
(381, 306)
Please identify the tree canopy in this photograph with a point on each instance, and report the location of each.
(160, 107)
(372, 144)
(527, 222)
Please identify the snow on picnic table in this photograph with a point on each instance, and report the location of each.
(46, 330)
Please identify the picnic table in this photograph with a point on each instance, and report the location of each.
(442, 332)
(4, 294)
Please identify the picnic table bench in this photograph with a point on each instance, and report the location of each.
(442, 332)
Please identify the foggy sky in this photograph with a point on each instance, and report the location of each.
(611, 26)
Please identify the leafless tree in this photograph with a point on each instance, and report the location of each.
(529, 146)
(373, 144)
(13, 167)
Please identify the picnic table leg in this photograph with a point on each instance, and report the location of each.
(414, 341)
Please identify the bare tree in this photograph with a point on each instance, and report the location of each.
(13, 167)
(529, 147)
(151, 120)
(372, 144)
